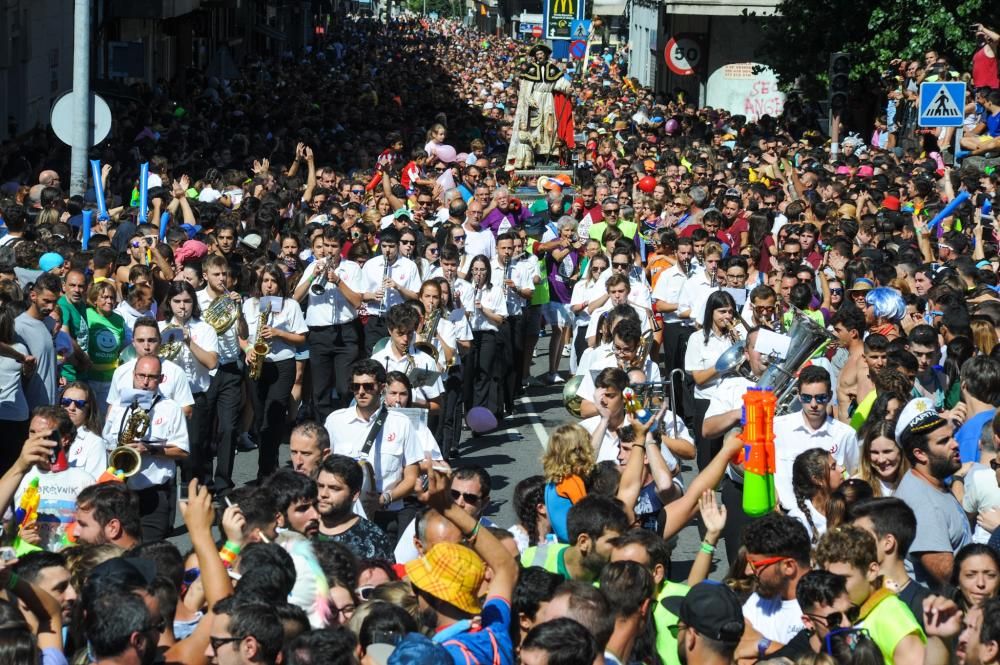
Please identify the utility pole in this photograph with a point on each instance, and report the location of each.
(81, 97)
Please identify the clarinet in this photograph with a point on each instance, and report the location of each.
(385, 291)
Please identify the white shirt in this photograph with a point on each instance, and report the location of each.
(88, 452)
(610, 444)
(202, 334)
(818, 518)
(521, 275)
(57, 494)
(174, 385)
(776, 619)
(598, 363)
(702, 355)
(229, 344)
(490, 298)
(403, 271)
(420, 360)
(584, 292)
(395, 447)
(289, 319)
(595, 317)
(693, 296)
(331, 307)
(166, 426)
(668, 289)
(480, 242)
(793, 436)
(981, 494)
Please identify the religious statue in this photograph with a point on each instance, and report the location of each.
(544, 113)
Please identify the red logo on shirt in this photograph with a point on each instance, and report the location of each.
(391, 437)
(158, 421)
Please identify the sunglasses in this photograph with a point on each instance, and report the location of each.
(836, 618)
(761, 564)
(620, 265)
(367, 386)
(806, 398)
(472, 499)
(457, 238)
(837, 292)
(433, 250)
(78, 403)
(407, 242)
(357, 191)
(219, 642)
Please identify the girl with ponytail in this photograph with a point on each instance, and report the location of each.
(815, 476)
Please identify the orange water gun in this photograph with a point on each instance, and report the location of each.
(759, 496)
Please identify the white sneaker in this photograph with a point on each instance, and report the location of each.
(565, 352)
(556, 378)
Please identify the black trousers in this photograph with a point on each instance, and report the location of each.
(512, 333)
(449, 425)
(675, 339)
(225, 400)
(332, 351)
(375, 330)
(154, 511)
(580, 342)
(271, 394)
(199, 427)
(707, 448)
(481, 380)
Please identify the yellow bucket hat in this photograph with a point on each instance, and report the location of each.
(450, 572)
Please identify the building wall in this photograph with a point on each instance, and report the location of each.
(36, 60)
(646, 56)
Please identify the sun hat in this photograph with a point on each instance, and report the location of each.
(449, 572)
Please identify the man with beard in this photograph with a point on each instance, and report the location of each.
(48, 572)
(339, 486)
(296, 497)
(711, 624)
(33, 328)
(120, 629)
(942, 526)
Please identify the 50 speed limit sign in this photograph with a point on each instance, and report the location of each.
(683, 54)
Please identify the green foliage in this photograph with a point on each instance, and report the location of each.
(798, 40)
(444, 8)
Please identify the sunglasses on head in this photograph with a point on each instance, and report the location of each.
(806, 398)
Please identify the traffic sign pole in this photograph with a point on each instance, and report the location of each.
(82, 102)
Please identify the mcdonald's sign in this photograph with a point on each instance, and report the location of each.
(559, 16)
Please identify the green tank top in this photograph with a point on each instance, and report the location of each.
(106, 335)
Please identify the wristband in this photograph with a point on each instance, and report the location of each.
(229, 552)
(475, 532)
(386, 498)
(12, 581)
(707, 548)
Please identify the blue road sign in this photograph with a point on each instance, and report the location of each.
(578, 49)
(941, 104)
(579, 29)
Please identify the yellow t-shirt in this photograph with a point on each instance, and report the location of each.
(888, 622)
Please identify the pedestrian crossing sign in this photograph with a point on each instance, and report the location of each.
(941, 104)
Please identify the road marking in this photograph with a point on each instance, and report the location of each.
(536, 425)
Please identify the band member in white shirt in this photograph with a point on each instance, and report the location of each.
(586, 291)
(284, 329)
(389, 280)
(666, 299)
(623, 263)
(333, 286)
(626, 340)
(486, 308)
(518, 287)
(225, 392)
(440, 334)
(154, 482)
(395, 452)
(449, 426)
(146, 342)
(618, 288)
(198, 357)
(398, 355)
(700, 284)
(704, 349)
(399, 394)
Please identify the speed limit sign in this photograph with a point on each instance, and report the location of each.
(683, 54)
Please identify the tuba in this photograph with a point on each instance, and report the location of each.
(125, 459)
(261, 347)
(428, 332)
(221, 314)
(806, 337)
(571, 398)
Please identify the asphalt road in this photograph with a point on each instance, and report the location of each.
(509, 455)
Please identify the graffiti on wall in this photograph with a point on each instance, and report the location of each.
(736, 88)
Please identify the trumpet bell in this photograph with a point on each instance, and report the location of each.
(428, 348)
(571, 398)
(126, 460)
(730, 361)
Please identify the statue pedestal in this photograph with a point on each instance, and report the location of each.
(528, 194)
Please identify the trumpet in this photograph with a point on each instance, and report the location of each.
(319, 279)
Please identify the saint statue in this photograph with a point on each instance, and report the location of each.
(544, 113)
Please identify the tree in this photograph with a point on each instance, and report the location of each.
(798, 40)
(444, 8)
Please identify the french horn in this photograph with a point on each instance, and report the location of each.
(221, 314)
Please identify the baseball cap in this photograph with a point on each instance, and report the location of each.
(710, 608)
(49, 261)
(890, 202)
(449, 572)
(402, 212)
(916, 417)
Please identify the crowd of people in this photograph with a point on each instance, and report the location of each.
(334, 252)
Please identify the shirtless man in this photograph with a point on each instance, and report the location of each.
(876, 347)
(849, 326)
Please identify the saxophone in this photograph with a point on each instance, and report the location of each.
(261, 347)
(125, 459)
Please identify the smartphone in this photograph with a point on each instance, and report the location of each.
(7, 554)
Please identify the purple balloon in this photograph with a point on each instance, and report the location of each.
(672, 126)
(480, 419)
(445, 153)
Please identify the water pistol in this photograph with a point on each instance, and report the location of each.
(112, 475)
(634, 406)
(759, 496)
(26, 513)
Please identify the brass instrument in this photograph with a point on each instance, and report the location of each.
(221, 314)
(507, 270)
(170, 350)
(782, 377)
(642, 352)
(715, 277)
(571, 395)
(123, 458)
(319, 279)
(261, 347)
(429, 332)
